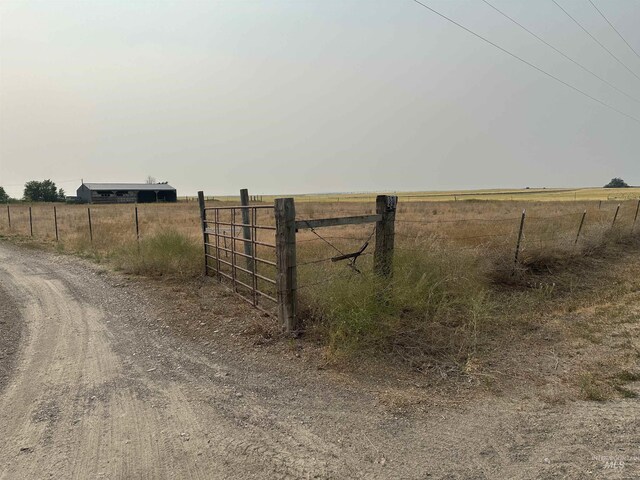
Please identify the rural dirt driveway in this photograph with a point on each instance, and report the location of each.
(95, 385)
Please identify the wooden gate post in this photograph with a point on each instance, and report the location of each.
(246, 229)
(286, 276)
(203, 226)
(385, 233)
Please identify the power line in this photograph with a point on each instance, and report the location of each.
(528, 63)
(614, 29)
(596, 40)
(562, 53)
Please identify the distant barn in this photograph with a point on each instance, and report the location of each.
(126, 193)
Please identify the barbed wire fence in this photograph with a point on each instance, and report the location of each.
(346, 250)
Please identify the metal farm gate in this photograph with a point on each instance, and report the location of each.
(252, 249)
(240, 250)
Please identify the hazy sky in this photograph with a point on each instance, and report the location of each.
(314, 95)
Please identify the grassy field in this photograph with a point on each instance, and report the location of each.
(456, 288)
(527, 194)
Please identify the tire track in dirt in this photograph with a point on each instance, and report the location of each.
(77, 408)
(101, 390)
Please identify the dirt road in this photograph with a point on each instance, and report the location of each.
(100, 388)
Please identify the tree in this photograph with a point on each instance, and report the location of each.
(616, 183)
(3, 196)
(154, 181)
(44, 191)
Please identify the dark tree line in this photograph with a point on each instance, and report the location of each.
(616, 183)
(44, 191)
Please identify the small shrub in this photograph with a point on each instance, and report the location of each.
(591, 389)
(627, 376)
(434, 305)
(625, 392)
(166, 253)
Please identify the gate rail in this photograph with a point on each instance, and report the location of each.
(270, 269)
(238, 251)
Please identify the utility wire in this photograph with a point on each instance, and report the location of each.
(615, 29)
(528, 63)
(562, 53)
(595, 39)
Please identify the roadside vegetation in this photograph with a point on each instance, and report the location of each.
(448, 304)
(457, 297)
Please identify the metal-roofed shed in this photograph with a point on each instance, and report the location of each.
(126, 193)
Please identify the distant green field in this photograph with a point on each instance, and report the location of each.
(547, 194)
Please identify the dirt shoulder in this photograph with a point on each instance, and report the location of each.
(122, 378)
(11, 330)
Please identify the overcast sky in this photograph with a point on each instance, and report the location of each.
(315, 95)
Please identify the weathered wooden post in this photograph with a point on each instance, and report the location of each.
(203, 225)
(286, 276)
(580, 227)
(519, 242)
(632, 226)
(55, 221)
(615, 216)
(385, 233)
(137, 225)
(30, 222)
(246, 228)
(9, 216)
(90, 226)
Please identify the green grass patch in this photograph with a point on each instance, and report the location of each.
(625, 392)
(436, 304)
(592, 389)
(627, 376)
(166, 253)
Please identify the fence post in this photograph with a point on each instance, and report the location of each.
(634, 218)
(9, 216)
(55, 221)
(30, 222)
(90, 226)
(580, 227)
(515, 262)
(203, 225)
(246, 229)
(286, 277)
(615, 216)
(385, 233)
(137, 227)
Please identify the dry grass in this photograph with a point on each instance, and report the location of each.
(510, 195)
(169, 234)
(456, 290)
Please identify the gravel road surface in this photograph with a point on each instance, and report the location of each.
(94, 385)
